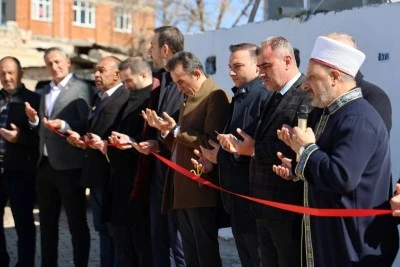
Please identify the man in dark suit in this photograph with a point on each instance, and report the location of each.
(278, 231)
(248, 101)
(106, 114)
(165, 97)
(64, 106)
(130, 218)
(19, 146)
(377, 98)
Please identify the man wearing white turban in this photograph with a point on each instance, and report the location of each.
(345, 163)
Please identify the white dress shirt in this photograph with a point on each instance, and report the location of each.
(50, 100)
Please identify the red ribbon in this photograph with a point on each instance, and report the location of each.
(288, 207)
(88, 143)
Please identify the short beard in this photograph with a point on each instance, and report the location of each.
(164, 62)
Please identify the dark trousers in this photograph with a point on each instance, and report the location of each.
(199, 236)
(107, 249)
(245, 233)
(280, 243)
(133, 245)
(4, 257)
(53, 188)
(248, 250)
(19, 188)
(165, 235)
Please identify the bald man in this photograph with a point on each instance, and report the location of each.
(107, 108)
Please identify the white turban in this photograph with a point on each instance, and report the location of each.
(337, 55)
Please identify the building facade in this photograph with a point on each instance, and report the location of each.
(118, 24)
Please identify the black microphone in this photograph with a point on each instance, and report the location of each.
(302, 116)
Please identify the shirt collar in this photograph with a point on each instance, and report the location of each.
(62, 84)
(246, 87)
(289, 84)
(110, 91)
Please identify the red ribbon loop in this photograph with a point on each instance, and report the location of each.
(288, 207)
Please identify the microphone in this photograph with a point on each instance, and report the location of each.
(302, 116)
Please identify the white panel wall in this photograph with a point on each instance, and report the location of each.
(376, 29)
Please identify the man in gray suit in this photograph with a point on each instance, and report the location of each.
(64, 106)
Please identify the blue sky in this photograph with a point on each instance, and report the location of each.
(234, 9)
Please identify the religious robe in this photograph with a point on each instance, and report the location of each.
(348, 167)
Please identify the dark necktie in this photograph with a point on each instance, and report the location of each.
(277, 97)
(268, 110)
(98, 105)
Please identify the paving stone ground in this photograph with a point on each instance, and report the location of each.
(227, 245)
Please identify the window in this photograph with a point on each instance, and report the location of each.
(84, 13)
(123, 20)
(3, 11)
(42, 10)
(211, 66)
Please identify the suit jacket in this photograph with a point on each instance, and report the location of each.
(123, 210)
(264, 183)
(245, 110)
(96, 168)
(71, 106)
(199, 117)
(166, 97)
(25, 152)
(377, 98)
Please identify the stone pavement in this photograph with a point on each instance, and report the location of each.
(227, 245)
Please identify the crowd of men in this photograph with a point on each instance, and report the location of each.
(71, 137)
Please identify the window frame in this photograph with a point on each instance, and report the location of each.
(89, 10)
(35, 12)
(126, 16)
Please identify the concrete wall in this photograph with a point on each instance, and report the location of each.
(374, 27)
(271, 6)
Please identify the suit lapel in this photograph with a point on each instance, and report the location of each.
(287, 99)
(106, 102)
(63, 97)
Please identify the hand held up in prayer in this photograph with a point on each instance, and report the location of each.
(201, 164)
(226, 142)
(10, 135)
(285, 169)
(395, 202)
(210, 154)
(231, 144)
(296, 137)
(163, 125)
(75, 139)
(285, 134)
(302, 138)
(31, 113)
(122, 141)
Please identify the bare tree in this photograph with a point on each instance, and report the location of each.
(188, 15)
(224, 4)
(198, 15)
